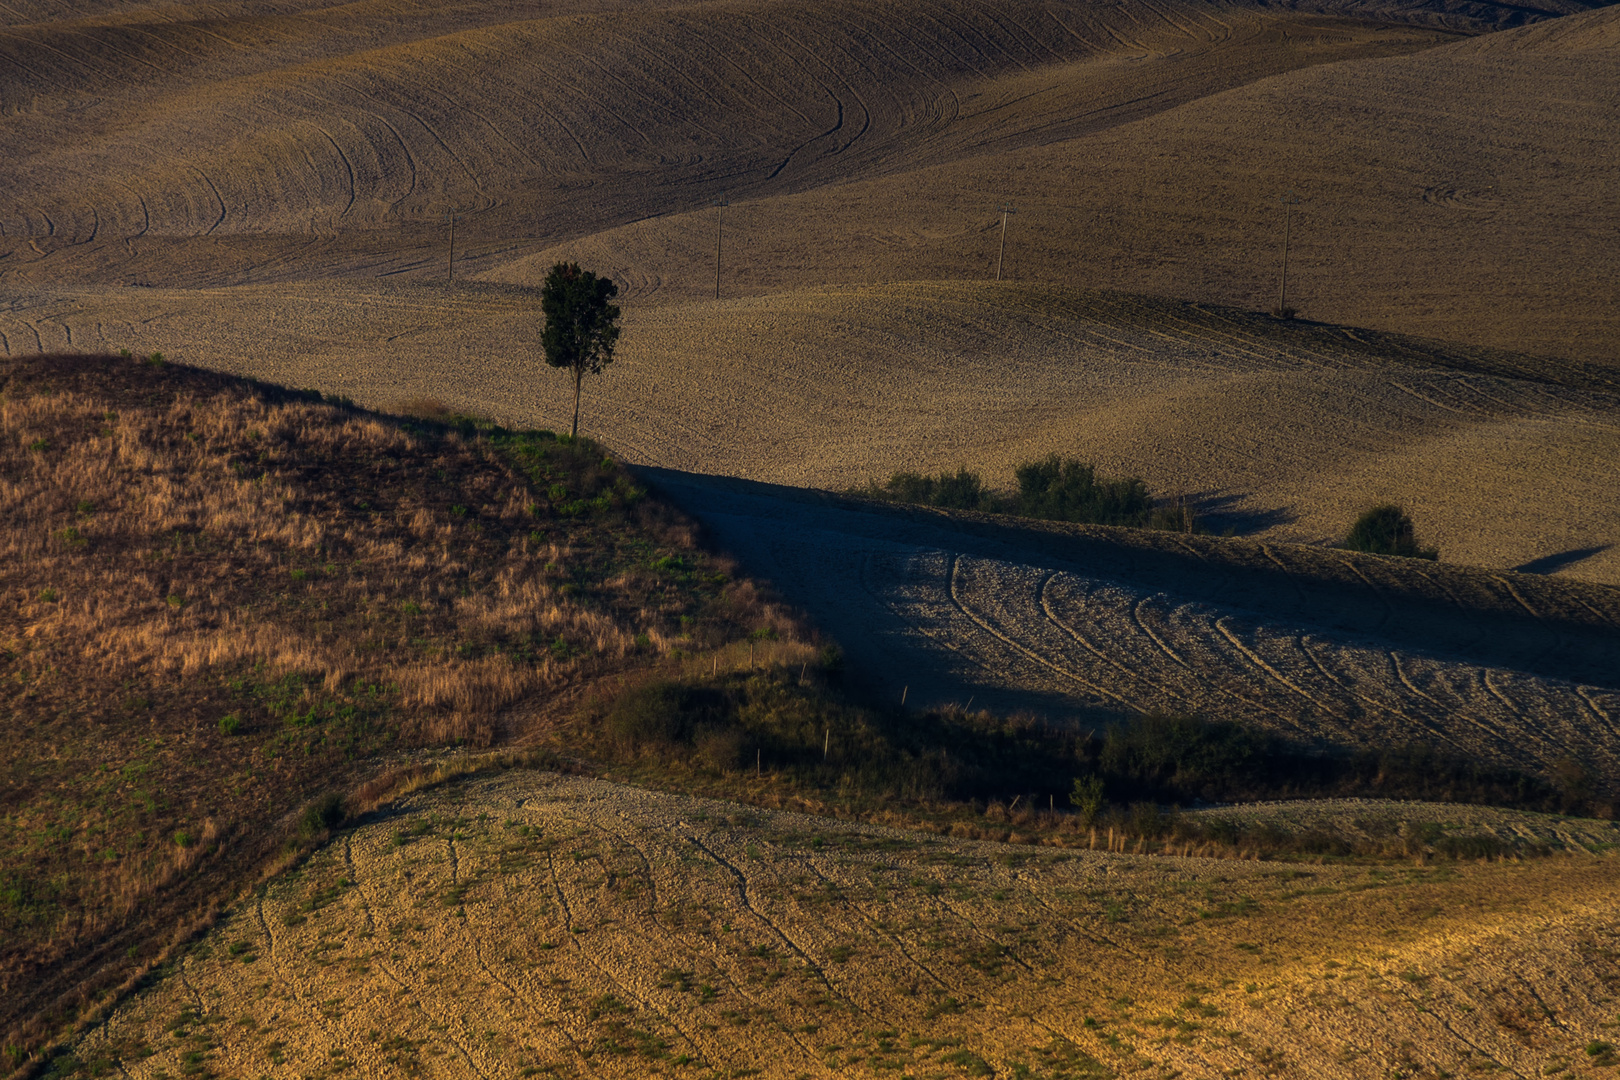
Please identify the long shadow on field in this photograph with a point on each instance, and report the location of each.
(1551, 564)
(821, 549)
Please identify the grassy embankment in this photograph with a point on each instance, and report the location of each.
(224, 601)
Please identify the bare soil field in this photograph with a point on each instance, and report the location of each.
(1462, 192)
(267, 188)
(528, 925)
(1085, 623)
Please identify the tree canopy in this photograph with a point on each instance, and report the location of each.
(582, 324)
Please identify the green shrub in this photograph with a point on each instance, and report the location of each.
(229, 725)
(962, 491)
(660, 714)
(1087, 797)
(1064, 489)
(1387, 530)
(325, 813)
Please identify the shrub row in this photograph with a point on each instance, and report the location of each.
(806, 731)
(1053, 488)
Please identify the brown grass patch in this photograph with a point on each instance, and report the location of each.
(218, 599)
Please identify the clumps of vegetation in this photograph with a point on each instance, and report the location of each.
(1387, 530)
(1053, 488)
(220, 598)
(786, 732)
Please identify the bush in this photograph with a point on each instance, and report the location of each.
(660, 714)
(322, 815)
(962, 491)
(1064, 489)
(1387, 530)
(1087, 798)
(1051, 489)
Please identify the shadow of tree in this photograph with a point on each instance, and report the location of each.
(1551, 564)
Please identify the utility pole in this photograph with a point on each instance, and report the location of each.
(450, 217)
(1289, 201)
(1006, 208)
(720, 205)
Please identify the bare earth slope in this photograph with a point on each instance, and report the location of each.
(533, 925)
(274, 146)
(1465, 192)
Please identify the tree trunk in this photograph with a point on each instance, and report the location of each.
(579, 377)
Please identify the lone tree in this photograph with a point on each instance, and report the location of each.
(582, 324)
(1387, 530)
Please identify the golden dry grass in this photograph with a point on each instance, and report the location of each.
(217, 600)
(532, 925)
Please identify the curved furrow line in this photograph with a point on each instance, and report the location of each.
(1470, 413)
(955, 561)
(1521, 601)
(1260, 664)
(1389, 608)
(1436, 728)
(1136, 617)
(1288, 574)
(288, 979)
(727, 58)
(1093, 937)
(741, 881)
(909, 613)
(876, 927)
(1514, 711)
(935, 119)
(217, 198)
(1394, 709)
(597, 965)
(651, 916)
(980, 42)
(1130, 674)
(347, 166)
(1585, 695)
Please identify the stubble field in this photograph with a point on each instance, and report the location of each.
(532, 925)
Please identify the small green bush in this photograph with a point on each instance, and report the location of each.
(963, 490)
(1064, 489)
(1087, 798)
(1053, 488)
(229, 725)
(325, 813)
(1387, 530)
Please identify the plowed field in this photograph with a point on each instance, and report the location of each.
(1088, 623)
(528, 925)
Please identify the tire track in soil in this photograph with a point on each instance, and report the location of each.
(1095, 938)
(416, 996)
(872, 923)
(515, 994)
(741, 881)
(952, 578)
(651, 916)
(1260, 664)
(584, 954)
